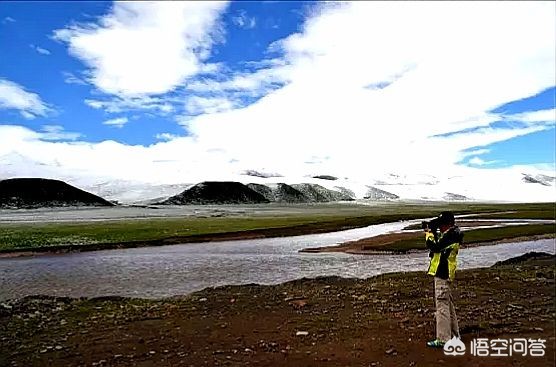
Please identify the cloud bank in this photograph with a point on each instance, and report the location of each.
(14, 96)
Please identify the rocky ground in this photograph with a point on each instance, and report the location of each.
(380, 321)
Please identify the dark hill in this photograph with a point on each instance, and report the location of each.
(450, 196)
(287, 193)
(280, 192)
(346, 194)
(263, 190)
(254, 173)
(377, 194)
(326, 177)
(212, 192)
(315, 193)
(42, 192)
(318, 193)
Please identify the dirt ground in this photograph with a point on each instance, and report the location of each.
(380, 321)
(369, 245)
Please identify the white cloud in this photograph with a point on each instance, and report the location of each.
(57, 132)
(146, 47)
(70, 78)
(118, 122)
(541, 116)
(242, 20)
(480, 162)
(42, 51)
(14, 138)
(475, 152)
(200, 105)
(117, 105)
(166, 136)
(7, 20)
(162, 162)
(27, 115)
(14, 96)
(259, 82)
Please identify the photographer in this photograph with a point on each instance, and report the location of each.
(443, 248)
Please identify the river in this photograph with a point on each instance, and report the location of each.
(153, 272)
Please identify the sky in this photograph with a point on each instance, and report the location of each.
(182, 91)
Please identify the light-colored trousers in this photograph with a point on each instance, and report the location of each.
(446, 319)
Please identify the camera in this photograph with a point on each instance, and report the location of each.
(431, 225)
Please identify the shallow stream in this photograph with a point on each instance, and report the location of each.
(153, 272)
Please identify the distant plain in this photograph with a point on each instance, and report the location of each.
(68, 229)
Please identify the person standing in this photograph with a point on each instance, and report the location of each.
(444, 247)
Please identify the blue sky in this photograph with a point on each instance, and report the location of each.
(531, 148)
(27, 25)
(227, 84)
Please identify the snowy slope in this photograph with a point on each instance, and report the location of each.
(133, 192)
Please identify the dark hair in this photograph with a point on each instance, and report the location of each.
(446, 218)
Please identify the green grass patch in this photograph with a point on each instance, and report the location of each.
(477, 236)
(525, 211)
(497, 234)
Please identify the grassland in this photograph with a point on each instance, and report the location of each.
(484, 235)
(294, 220)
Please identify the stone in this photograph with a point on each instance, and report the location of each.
(298, 304)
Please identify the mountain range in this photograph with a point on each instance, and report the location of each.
(504, 185)
(514, 187)
(41, 192)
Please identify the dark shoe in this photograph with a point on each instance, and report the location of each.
(436, 343)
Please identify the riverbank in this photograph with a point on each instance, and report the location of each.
(379, 321)
(404, 242)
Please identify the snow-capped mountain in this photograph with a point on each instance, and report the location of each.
(515, 184)
(133, 192)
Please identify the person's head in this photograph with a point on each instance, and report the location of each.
(446, 221)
